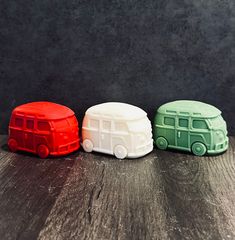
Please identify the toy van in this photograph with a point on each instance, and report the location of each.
(191, 126)
(43, 128)
(117, 128)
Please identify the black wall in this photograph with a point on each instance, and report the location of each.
(147, 52)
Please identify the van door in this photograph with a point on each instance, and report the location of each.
(183, 133)
(92, 131)
(105, 136)
(17, 130)
(29, 134)
(168, 130)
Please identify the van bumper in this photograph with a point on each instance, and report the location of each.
(142, 151)
(219, 148)
(66, 149)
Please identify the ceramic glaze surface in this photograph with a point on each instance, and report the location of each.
(190, 126)
(119, 129)
(43, 128)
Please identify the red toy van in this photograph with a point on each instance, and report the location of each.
(43, 128)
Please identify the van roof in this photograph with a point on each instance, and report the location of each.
(189, 108)
(117, 110)
(45, 110)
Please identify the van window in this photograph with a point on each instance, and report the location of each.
(218, 121)
(200, 124)
(94, 124)
(61, 123)
(183, 122)
(142, 124)
(169, 121)
(107, 125)
(120, 127)
(30, 124)
(43, 126)
(19, 122)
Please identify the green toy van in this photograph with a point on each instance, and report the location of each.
(190, 126)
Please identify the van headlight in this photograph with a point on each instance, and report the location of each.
(141, 139)
(220, 135)
(64, 135)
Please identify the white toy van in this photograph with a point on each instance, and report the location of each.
(116, 128)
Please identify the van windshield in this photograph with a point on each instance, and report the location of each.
(218, 121)
(139, 125)
(67, 122)
(59, 124)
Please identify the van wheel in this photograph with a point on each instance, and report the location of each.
(198, 149)
(120, 152)
(87, 145)
(162, 143)
(43, 151)
(12, 144)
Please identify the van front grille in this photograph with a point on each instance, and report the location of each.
(67, 147)
(74, 145)
(63, 149)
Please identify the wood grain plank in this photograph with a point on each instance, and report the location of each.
(28, 189)
(105, 198)
(200, 192)
(165, 195)
(3, 149)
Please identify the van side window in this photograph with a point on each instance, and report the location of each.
(30, 124)
(19, 122)
(169, 121)
(43, 126)
(107, 125)
(183, 122)
(120, 127)
(200, 124)
(94, 124)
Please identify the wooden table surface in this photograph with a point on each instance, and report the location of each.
(165, 195)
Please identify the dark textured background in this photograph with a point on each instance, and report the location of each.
(145, 52)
